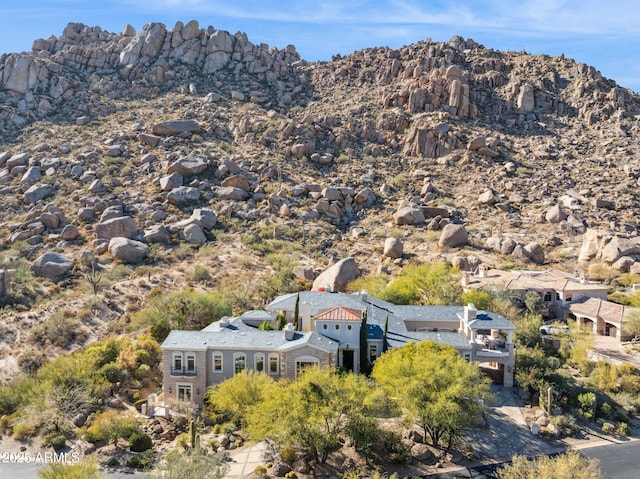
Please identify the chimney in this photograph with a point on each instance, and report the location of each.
(224, 322)
(327, 288)
(470, 312)
(482, 272)
(305, 314)
(289, 332)
(584, 278)
(364, 296)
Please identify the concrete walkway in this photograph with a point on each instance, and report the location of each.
(244, 461)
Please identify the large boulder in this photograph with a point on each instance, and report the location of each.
(535, 252)
(155, 234)
(453, 235)
(183, 195)
(592, 243)
(619, 247)
(555, 215)
(37, 192)
(193, 234)
(125, 227)
(409, 215)
(393, 248)
(337, 276)
(51, 265)
(128, 250)
(169, 128)
(423, 454)
(189, 166)
(205, 217)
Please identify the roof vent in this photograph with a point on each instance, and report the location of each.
(224, 322)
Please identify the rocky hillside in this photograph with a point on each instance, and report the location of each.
(133, 158)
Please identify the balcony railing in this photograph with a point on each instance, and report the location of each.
(183, 372)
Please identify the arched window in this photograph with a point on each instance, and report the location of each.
(258, 360)
(239, 362)
(304, 362)
(176, 363)
(217, 362)
(190, 363)
(274, 364)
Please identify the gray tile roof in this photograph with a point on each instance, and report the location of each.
(318, 300)
(457, 340)
(430, 313)
(488, 320)
(244, 339)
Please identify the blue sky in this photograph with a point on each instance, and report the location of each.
(603, 34)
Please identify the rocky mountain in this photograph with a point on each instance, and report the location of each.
(154, 152)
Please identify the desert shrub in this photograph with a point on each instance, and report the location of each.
(566, 424)
(112, 425)
(288, 454)
(587, 400)
(200, 274)
(623, 429)
(140, 442)
(606, 410)
(139, 461)
(187, 309)
(57, 441)
(260, 470)
(608, 428)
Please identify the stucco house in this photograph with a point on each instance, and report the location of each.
(558, 290)
(330, 325)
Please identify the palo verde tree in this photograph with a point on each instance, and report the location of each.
(435, 387)
(315, 411)
(234, 397)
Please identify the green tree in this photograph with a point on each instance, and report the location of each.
(365, 366)
(188, 309)
(235, 396)
(192, 464)
(533, 302)
(385, 344)
(604, 377)
(480, 299)
(527, 331)
(435, 387)
(314, 412)
(82, 470)
(435, 284)
(296, 314)
(631, 323)
(571, 465)
(533, 367)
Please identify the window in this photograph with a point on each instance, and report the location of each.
(568, 298)
(217, 362)
(239, 362)
(177, 363)
(274, 366)
(259, 362)
(337, 326)
(467, 357)
(547, 297)
(184, 392)
(305, 362)
(324, 326)
(557, 296)
(349, 327)
(191, 363)
(373, 352)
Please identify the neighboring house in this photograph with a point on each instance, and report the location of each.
(330, 336)
(558, 290)
(602, 317)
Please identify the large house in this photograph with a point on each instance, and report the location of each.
(563, 296)
(329, 335)
(558, 290)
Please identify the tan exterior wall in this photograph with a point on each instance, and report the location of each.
(171, 381)
(288, 360)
